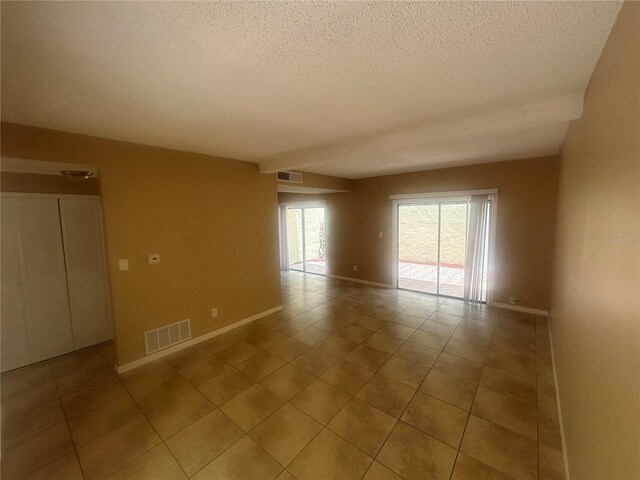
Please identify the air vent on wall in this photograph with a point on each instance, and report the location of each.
(166, 336)
(291, 177)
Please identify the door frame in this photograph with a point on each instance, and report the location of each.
(309, 204)
(396, 243)
(96, 201)
(61, 342)
(436, 197)
(106, 260)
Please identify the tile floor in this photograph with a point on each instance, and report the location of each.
(347, 381)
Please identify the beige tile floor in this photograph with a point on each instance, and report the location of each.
(347, 381)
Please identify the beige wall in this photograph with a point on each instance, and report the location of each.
(212, 220)
(595, 315)
(525, 223)
(34, 183)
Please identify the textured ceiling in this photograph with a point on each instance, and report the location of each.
(342, 88)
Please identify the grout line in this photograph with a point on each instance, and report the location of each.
(466, 425)
(75, 450)
(398, 419)
(66, 422)
(464, 430)
(59, 396)
(214, 458)
(337, 302)
(352, 396)
(162, 440)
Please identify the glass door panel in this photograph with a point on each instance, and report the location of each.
(314, 240)
(453, 241)
(295, 239)
(306, 239)
(418, 247)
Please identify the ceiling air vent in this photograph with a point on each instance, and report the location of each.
(291, 177)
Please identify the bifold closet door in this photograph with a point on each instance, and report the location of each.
(83, 239)
(36, 322)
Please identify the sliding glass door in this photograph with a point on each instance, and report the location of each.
(453, 240)
(418, 247)
(432, 241)
(295, 240)
(306, 239)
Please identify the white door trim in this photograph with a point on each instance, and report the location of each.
(438, 197)
(42, 167)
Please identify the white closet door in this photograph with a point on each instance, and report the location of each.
(16, 347)
(81, 220)
(36, 322)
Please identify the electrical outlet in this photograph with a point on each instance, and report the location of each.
(214, 312)
(355, 268)
(512, 300)
(379, 234)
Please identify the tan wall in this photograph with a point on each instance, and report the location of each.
(595, 315)
(34, 183)
(213, 222)
(525, 223)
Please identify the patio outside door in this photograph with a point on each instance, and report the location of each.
(432, 238)
(306, 239)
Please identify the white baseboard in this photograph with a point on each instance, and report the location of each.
(194, 341)
(555, 379)
(517, 308)
(357, 280)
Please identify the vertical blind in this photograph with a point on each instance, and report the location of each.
(476, 261)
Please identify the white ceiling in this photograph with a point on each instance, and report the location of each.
(342, 88)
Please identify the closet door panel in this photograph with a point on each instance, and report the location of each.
(45, 281)
(39, 297)
(49, 320)
(89, 314)
(16, 349)
(81, 221)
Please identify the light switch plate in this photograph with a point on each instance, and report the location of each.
(123, 264)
